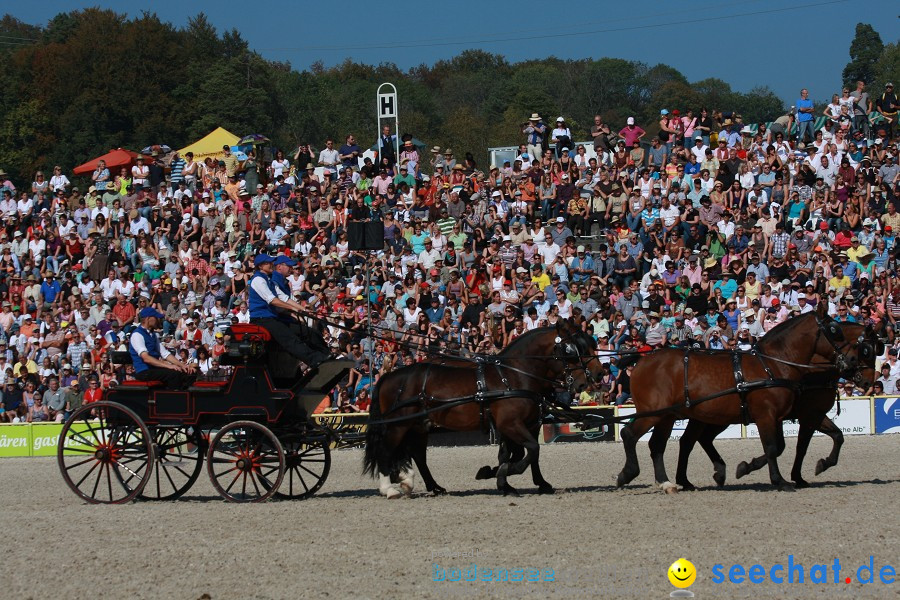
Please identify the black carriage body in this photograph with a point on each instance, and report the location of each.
(249, 393)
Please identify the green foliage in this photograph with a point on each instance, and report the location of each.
(865, 49)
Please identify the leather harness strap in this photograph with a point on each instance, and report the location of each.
(741, 386)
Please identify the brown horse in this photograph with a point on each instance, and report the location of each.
(822, 392)
(670, 384)
(507, 388)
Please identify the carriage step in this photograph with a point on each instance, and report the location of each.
(326, 376)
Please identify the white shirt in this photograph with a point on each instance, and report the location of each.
(140, 346)
(329, 158)
(549, 253)
(140, 174)
(699, 152)
(59, 182)
(138, 226)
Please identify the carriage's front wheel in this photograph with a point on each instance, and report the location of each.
(105, 453)
(245, 462)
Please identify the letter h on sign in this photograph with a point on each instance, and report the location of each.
(387, 105)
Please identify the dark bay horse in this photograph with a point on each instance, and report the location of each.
(663, 382)
(820, 389)
(507, 388)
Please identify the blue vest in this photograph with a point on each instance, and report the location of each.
(281, 282)
(152, 344)
(259, 308)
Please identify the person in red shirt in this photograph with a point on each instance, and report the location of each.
(842, 240)
(123, 311)
(93, 393)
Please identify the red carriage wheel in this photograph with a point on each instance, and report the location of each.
(307, 463)
(105, 453)
(179, 459)
(245, 462)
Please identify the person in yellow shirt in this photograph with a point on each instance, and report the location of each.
(752, 286)
(856, 249)
(840, 282)
(539, 277)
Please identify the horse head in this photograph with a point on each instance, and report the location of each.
(579, 352)
(854, 348)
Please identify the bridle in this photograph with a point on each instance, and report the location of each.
(849, 367)
(568, 351)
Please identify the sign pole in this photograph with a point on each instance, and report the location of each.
(387, 109)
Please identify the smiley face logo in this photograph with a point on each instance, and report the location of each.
(682, 573)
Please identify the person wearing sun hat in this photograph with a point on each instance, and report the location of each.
(535, 132)
(152, 360)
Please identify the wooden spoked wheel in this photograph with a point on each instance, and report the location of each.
(179, 459)
(245, 462)
(307, 462)
(105, 453)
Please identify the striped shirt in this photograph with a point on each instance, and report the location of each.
(177, 167)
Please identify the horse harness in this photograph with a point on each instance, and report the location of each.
(743, 387)
(566, 351)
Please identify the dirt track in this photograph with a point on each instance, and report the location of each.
(348, 543)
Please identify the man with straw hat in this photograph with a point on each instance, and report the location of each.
(535, 131)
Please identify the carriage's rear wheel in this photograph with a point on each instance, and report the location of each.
(307, 463)
(245, 462)
(179, 460)
(105, 453)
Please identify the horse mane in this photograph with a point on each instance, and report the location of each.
(778, 333)
(525, 337)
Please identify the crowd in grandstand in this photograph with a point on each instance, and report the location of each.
(707, 232)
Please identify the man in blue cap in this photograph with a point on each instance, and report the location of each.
(265, 297)
(153, 361)
(313, 338)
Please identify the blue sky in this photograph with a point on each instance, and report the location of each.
(746, 43)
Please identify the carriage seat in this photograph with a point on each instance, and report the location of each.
(239, 331)
(124, 358)
(136, 384)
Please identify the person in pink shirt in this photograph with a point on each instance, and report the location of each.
(631, 132)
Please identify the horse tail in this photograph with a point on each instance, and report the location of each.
(374, 432)
(380, 459)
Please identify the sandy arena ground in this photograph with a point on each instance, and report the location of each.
(348, 543)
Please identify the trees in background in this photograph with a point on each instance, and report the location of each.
(93, 79)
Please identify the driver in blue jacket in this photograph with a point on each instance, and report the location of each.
(153, 361)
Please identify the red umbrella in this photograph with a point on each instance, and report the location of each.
(114, 158)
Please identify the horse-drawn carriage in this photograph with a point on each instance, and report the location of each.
(253, 428)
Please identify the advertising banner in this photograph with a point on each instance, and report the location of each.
(887, 415)
(855, 419)
(731, 432)
(15, 440)
(587, 431)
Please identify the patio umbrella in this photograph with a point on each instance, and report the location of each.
(159, 148)
(253, 139)
(114, 159)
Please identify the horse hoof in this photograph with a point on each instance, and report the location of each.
(784, 486)
(486, 472)
(393, 494)
(546, 489)
(687, 486)
(742, 469)
(509, 490)
(800, 483)
(668, 487)
(821, 466)
(719, 477)
(623, 479)
(439, 491)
